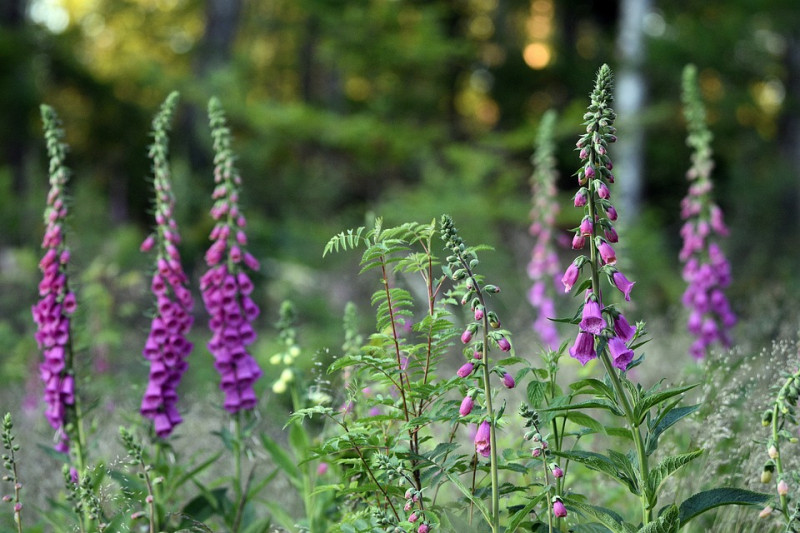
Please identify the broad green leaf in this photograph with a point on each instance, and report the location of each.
(594, 385)
(628, 473)
(607, 517)
(282, 459)
(589, 404)
(596, 461)
(667, 467)
(582, 419)
(648, 401)
(203, 506)
(667, 420)
(667, 522)
(536, 393)
(703, 501)
(519, 516)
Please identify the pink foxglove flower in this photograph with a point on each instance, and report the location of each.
(53, 312)
(592, 320)
(482, 439)
(466, 406)
(508, 381)
(559, 510)
(544, 265)
(583, 350)
(620, 353)
(705, 270)
(465, 370)
(167, 346)
(226, 287)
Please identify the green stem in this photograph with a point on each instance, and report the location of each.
(237, 468)
(778, 461)
(614, 376)
(492, 437)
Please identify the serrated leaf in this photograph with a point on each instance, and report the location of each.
(667, 522)
(594, 385)
(649, 400)
(600, 463)
(709, 499)
(536, 393)
(665, 422)
(668, 466)
(607, 517)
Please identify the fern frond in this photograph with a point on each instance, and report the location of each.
(349, 240)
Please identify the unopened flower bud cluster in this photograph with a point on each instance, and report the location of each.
(597, 230)
(287, 336)
(460, 267)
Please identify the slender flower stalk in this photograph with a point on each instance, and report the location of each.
(167, 346)
(226, 289)
(478, 337)
(705, 268)
(226, 286)
(598, 336)
(57, 304)
(543, 266)
(10, 464)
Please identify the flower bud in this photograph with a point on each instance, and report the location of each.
(413, 518)
(423, 528)
(479, 312)
(766, 476)
(503, 344)
(557, 472)
(508, 381)
(772, 452)
(765, 512)
(558, 509)
(783, 488)
(465, 370)
(466, 406)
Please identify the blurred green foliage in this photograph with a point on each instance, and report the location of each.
(342, 110)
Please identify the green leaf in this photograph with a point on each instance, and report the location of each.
(600, 463)
(536, 393)
(708, 499)
(664, 422)
(203, 506)
(592, 385)
(667, 467)
(281, 516)
(650, 400)
(589, 404)
(667, 522)
(582, 419)
(283, 460)
(607, 517)
(522, 514)
(628, 473)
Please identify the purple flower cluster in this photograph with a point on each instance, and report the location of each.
(166, 347)
(706, 270)
(594, 197)
(56, 302)
(226, 287)
(543, 267)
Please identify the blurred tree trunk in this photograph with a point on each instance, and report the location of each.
(213, 53)
(16, 82)
(789, 128)
(630, 99)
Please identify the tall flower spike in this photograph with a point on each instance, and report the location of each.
(543, 267)
(57, 302)
(705, 270)
(594, 179)
(166, 347)
(225, 286)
